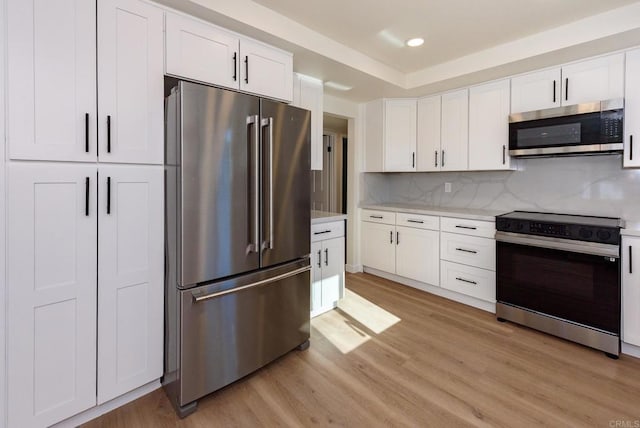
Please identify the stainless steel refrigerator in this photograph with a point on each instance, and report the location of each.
(238, 237)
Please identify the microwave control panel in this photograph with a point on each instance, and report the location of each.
(611, 125)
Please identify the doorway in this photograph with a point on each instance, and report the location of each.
(329, 186)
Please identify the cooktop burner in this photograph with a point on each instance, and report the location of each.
(567, 226)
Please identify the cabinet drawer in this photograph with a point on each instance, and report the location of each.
(486, 229)
(475, 282)
(322, 231)
(469, 250)
(419, 221)
(375, 216)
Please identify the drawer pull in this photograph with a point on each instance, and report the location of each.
(415, 221)
(320, 233)
(466, 227)
(376, 216)
(467, 251)
(467, 281)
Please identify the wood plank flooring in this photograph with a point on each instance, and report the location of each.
(396, 356)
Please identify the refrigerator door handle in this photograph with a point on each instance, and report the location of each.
(254, 120)
(199, 298)
(269, 123)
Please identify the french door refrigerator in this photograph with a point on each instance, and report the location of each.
(238, 237)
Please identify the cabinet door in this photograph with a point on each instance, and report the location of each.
(51, 309)
(130, 82)
(418, 254)
(400, 135)
(308, 94)
(631, 290)
(51, 76)
(489, 126)
(378, 246)
(536, 91)
(428, 140)
(200, 51)
(594, 80)
(332, 271)
(131, 280)
(316, 275)
(632, 110)
(454, 137)
(265, 70)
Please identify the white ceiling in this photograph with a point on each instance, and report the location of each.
(357, 42)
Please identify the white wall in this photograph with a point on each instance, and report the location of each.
(3, 383)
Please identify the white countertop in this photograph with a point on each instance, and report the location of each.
(467, 213)
(631, 229)
(318, 217)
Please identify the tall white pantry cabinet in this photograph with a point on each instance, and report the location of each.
(84, 204)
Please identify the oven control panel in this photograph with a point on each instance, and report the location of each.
(550, 229)
(579, 232)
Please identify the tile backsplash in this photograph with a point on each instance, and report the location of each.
(593, 185)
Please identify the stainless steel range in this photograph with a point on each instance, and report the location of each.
(560, 274)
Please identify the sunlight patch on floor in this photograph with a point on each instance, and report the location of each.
(339, 328)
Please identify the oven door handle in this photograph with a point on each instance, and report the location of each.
(592, 248)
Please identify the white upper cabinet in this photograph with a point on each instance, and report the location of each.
(373, 150)
(308, 94)
(585, 81)
(130, 82)
(428, 134)
(201, 51)
(632, 110)
(454, 139)
(489, 126)
(400, 135)
(51, 286)
(265, 70)
(536, 91)
(130, 278)
(51, 89)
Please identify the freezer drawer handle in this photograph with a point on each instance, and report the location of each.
(467, 281)
(298, 271)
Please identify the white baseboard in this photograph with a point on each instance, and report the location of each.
(353, 268)
(100, 410)
(438, 291)
(630, 349)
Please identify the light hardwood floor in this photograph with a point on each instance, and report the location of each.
(395, 356)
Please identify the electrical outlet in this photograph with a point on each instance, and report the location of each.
(447, 187)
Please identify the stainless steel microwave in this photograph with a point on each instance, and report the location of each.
(589, 128)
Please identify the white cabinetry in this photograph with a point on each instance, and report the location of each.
(327, 258)
(489, 126)
(51, 317)
(632, 110)
(130, 82)
(308, 94)
(130, 278)
(51, 73)
(631, 290)
(378, 249)
(585, 81)
(390, 135)
(417, 254)
(454, 137)
(428, 134)
(201, 51)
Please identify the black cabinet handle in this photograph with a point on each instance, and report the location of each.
(630, 147)
(413, 160)
(442, 158)
(397, 238)
(108, 134)
(566, 89)
(246, 69)
(466, 227)
(630, 260)
(320, 233)
(86, 132)
(319, 258)
(554, 91)
(436, 158)
(235, 66)
(108, 195)
(467, 251)
(326, 257)
(467, 281)
(391, 236)
(376, 216)
(86, 196)
(504, 154)
(415, 221)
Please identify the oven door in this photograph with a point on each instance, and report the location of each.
(574, 286)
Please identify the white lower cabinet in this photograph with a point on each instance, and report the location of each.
(85, 275)
(631, 290)
(130, 278)
(468, 280)
(378, 249)
(51, 310)
(327, 260)
(417, 254)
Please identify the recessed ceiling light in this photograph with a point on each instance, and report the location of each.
(418, 41)
(337, 86)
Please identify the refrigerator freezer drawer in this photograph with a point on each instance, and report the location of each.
(229, 332)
